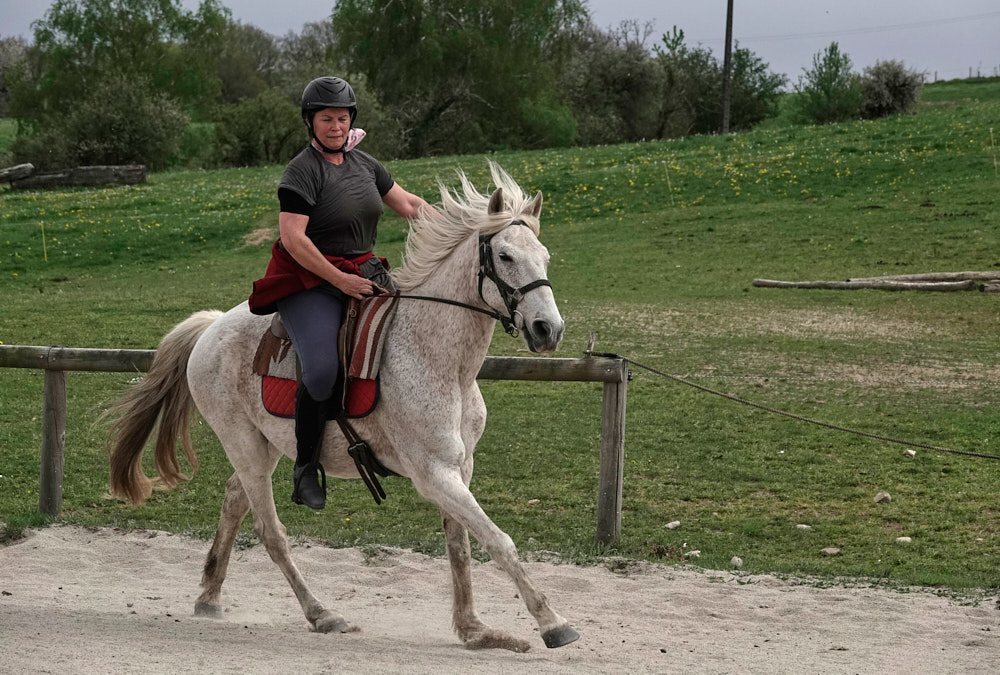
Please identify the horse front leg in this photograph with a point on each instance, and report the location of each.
(452, 495)
(473, 633)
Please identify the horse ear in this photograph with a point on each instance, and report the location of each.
(496, 202)
(535, 207)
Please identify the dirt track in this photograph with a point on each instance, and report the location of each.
(80, 601)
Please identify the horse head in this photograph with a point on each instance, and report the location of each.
(513, 269)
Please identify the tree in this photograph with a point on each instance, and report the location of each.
(463, 77)
(613, 85)
(692, 83)
(13, 52)
(249, 62)
(306, 55)
(755, 90)
(81, 43)
(829, 91)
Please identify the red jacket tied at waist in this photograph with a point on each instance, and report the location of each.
(285, 276)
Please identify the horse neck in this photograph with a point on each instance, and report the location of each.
(440, 328)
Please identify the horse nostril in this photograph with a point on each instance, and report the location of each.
(541, 329)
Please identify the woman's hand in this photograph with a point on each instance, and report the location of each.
(354, 286)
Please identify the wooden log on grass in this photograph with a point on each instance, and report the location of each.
(936, 276)
(16, 172)
(853, 285)
(84, 176)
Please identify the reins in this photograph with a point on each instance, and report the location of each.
(801, 418)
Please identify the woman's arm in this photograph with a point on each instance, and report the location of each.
(404, 203)
(293, 237)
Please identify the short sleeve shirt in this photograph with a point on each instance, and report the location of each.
(346, 199)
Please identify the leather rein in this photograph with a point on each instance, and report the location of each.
(487, 270)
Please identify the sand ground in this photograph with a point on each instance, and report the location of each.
(75, 600)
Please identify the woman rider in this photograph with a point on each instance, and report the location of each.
(331, 198)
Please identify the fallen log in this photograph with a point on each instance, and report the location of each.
(969, 285)
(84, 176)
(16, 172)
(936, 276)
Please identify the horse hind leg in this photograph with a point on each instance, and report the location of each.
(272, 533)
(235, 507)
(473, 633)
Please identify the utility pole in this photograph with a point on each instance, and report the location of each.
(727, 70)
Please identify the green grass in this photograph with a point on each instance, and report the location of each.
(654, 247)
(981, 89)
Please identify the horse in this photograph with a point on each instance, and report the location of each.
(480, 255)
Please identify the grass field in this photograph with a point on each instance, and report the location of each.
(654, 248)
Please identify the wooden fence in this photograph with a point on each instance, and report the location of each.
(57, 361)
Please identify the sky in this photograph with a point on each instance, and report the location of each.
(945, 40)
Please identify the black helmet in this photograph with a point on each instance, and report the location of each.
(328, 92)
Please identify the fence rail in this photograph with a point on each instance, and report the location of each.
(57, 361)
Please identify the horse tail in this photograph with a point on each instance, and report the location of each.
(162, 395)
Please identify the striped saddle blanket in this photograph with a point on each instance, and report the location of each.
(360, 343)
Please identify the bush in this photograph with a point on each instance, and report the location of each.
(126, 123)
(121, 122)
(266, 129)
(829, 92)
(693, 84)
(889, 88)
(196, 146)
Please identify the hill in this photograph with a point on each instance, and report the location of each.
(653, 248)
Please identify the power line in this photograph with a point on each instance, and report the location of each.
(861, 31)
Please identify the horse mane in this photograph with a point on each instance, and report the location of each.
(435, 234)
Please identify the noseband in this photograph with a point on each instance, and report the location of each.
(511, 296)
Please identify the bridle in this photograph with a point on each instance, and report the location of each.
(511, 296)
(487, 270)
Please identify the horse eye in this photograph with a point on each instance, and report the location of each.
(505, 257)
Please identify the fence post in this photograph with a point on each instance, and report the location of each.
(609, 486)
(53, 443)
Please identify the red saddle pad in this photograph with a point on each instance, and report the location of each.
(278, 395)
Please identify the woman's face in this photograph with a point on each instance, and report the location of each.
(331, 126)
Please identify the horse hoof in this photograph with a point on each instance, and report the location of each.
(208, 611)
(560, 637)
(332, 623)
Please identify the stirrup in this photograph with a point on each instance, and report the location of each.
(306, 489)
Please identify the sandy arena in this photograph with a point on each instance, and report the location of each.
(74, 600)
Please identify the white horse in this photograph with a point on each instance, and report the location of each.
(428, 422)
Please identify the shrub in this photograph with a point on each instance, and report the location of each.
(124, 122)
(195, 148)
(829, 91)
(265, 129)
(121, 122)
(889, 88)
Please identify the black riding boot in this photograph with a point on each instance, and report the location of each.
(310, 421)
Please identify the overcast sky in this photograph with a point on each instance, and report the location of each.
(942, 38)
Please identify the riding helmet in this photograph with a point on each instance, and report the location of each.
(328, 92)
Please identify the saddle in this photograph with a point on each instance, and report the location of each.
(360, 342)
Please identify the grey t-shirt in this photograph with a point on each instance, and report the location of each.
(346, 199)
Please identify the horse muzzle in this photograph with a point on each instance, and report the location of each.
(543, 336)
